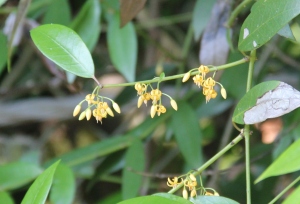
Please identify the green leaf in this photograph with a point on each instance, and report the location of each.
(122, 44)
(111, 198)
(38, 191)
(149, 200)
(250, 98)
(287, 32)
(65, 48)
(63, 188)
(265, 20)
(188, 139)
(173, 197)
(212, 200)
(17, 174)
(88, 20)
(294, 197)
(201, 16)
(134, 162)
(287, 162)
(6, 198)
(58, 12)
(3, 51)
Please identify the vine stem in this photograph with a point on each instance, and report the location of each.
(285, 190)
(247, 129)
(157, 79)
(211, 160)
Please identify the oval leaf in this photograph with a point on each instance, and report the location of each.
(188, 139)
(38, 191)
(122, 44)
(287, 162)
(65, 48)
(11, 178)
(134, 161)
(88, 19)
(212, 200)
(265, 20)
(63, 188)
(149, 200)
(249, 100)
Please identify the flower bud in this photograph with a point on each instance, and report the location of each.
(193, 193)
(109, 111)
(174, 104)
(140, 101)
(186, 77)
(88, 114)
(76, 110)
(223, 93)
(153, 111)
(192, 177)
(82, 116)
(185, 194)
(116, 107)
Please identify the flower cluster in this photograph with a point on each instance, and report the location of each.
(190, 186)
(155, 96)
(97, 107)
(207, 84)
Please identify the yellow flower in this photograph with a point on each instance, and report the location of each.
(203, 70)
(198, 80)
(140, 88)
(155, 95)
(90, 99)
(143, 98)
(209, 94)
(209, 82)
(160, 109)
(190, 184)
(173, 182)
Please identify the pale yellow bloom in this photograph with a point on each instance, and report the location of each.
(173, 182)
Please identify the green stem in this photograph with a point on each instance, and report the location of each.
(225, 66)
(211, 160)
(247, 129)
(284, 190)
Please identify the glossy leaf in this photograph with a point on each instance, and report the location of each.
(294, 197)
(63, 188)
(64, 47)
(250, 98)
(212, 200)
(5, 198)
(122, 44)
(87, 23)
(188, 139)
(3, 51)
(287, 162)
(38, 191)
(149, 200)
(58, 12)
(129, 9)
(134, 161)
(12, 178)
(265, 20)
(173, 197)
(201, 15)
